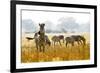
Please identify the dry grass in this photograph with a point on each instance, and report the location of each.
(29, 52)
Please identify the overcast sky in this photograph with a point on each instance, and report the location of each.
(55, 21)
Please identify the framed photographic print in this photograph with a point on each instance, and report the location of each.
(52, 36)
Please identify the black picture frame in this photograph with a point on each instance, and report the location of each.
(13, 35)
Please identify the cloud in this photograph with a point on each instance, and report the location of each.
(68, 24)
(49, 26)
(65, 24)
(84, 27)
(28, 25)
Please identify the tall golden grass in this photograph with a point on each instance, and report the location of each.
(29, 52)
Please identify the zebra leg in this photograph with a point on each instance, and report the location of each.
(66, 44)
(63, 40)
(40, 49)
(78, 42)
(60, 43)
(72, 43)
(37, 47)
(49, 43)
(84, 42)
(43, 49)
(54, 43)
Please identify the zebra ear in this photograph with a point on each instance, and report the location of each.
(39, 32)
(39, 24)
(44, 24)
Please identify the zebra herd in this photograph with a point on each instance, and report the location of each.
(69, 40)
(41, 39)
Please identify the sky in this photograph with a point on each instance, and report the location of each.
(55, 21)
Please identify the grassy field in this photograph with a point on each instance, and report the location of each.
(30, 54)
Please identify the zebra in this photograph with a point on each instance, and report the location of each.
(69, 40)
(55, 39)
(37, 41)
(79, 39)
(61, 37)
(75, 38)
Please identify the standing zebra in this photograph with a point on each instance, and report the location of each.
(37, 41)
(41, 37)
